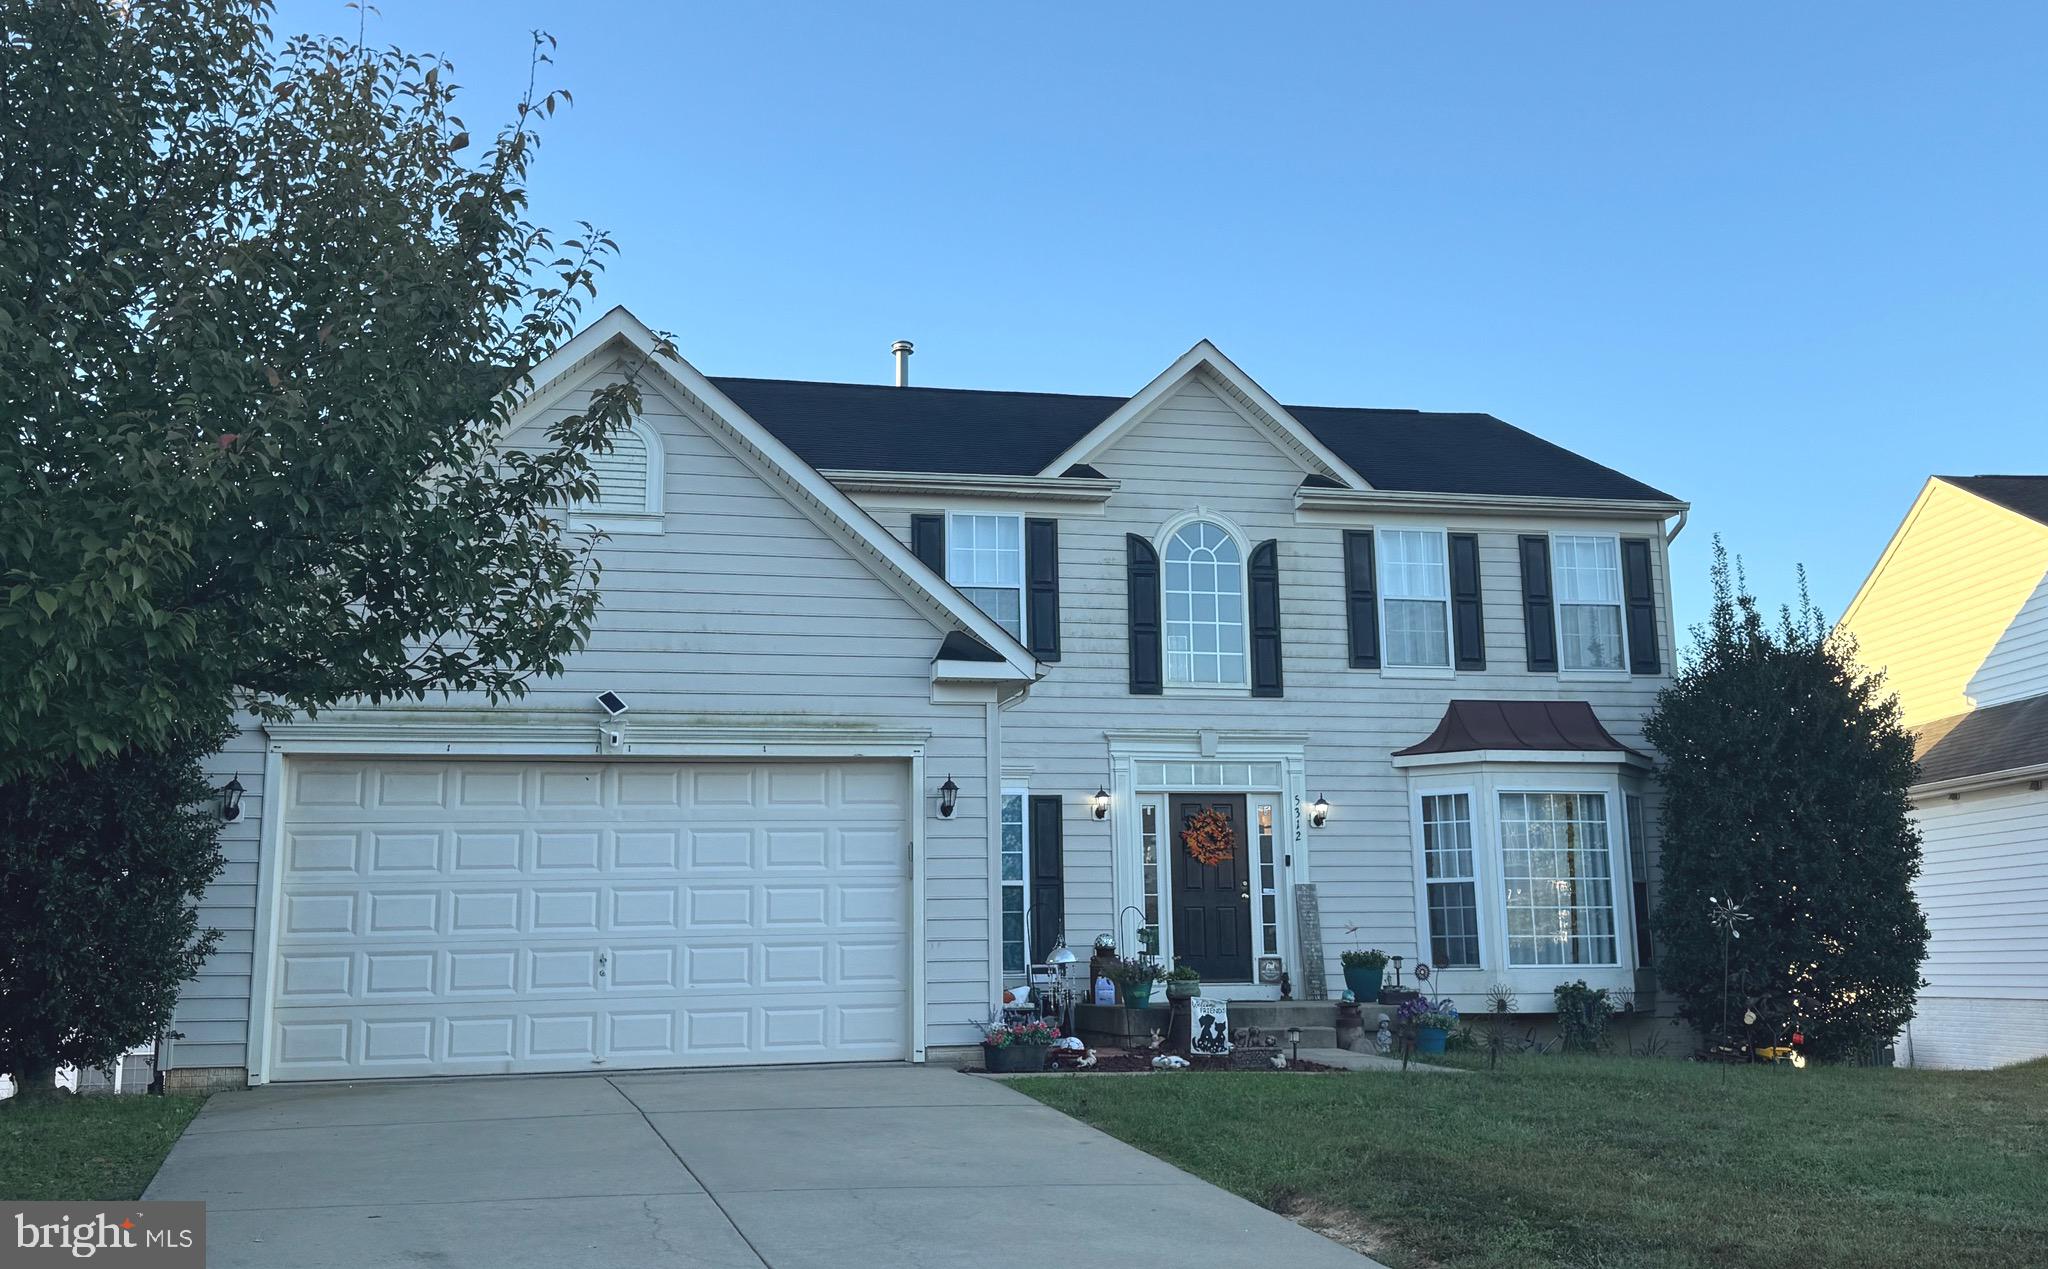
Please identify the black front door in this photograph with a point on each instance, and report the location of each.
(1212, 909)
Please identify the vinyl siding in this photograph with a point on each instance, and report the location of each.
(1984, 888)
(1957, 615)
(1196, 451)
(742, 611)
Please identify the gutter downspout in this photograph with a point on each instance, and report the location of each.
(1676, 529)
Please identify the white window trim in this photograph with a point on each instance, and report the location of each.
(1481, 872)
(1023, 587)
(1387, 668)
(1557, 610)
(1023, 884)
(646, 519)
(1244, 558)
(1484, 782)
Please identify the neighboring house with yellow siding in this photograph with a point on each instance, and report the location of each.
(1956, 615)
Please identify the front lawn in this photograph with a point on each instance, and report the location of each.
(1615, 1162)
(88, 1147)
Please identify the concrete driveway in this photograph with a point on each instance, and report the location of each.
(790, 1168)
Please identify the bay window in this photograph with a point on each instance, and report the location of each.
(1452, 880)
(1586, 573)
(1558, 876)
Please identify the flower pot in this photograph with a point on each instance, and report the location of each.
(1013, 1059)
(1364, 981)
(1138, 996)
(1182, 989)
(1429, 1039)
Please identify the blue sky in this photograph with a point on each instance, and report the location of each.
(1783, 261)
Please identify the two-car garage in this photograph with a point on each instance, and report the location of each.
(440, 917)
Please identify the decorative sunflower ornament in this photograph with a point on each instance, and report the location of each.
(1208, 839)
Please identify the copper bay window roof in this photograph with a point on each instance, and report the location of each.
(1547, 726)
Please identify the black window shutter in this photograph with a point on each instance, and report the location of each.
(1264, 580)
(1142, 581)
(1042, 587)
(1468, 623)
(1643, 655)
(1048, 877)
(928, 541)
(1361, 603)
(1539, 619)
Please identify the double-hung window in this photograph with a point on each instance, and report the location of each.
(1557, 872)
(1415, 597)
(1586, 572)
(1016, 885)
(1204, 589)
(985, 560)
(1451, 876)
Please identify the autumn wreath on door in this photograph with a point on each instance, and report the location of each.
(1207, 837)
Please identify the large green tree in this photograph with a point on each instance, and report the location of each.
(1785, 774)
(99, 870)
(265, 309)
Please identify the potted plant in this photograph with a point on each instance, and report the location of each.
(1134, 976)
(1183, 983)
(1431, 1020)
(1363, 970)
(1010, 1048)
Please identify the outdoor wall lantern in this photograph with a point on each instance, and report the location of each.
(1101, 804)
(1319, 812)
(231, 800)
(949, 796)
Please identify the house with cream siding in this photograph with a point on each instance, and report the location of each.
(894, 690)
(1956, 616)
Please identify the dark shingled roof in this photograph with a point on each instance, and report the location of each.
(2007, 737)
(959, 431)
(958, 645)
(2027, 495)
(1468, 726)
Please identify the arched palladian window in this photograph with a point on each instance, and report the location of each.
(1204, 588)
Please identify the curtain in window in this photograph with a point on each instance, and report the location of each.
(1559, 878)
(1588, 579)
(1415, 589)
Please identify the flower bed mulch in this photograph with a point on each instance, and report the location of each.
(1134, 1063)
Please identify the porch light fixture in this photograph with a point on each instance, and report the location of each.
(1101, 804)
(1319, 812)
(949, 796)
(231, 800)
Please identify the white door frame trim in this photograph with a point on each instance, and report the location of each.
(1290, 837)
(339, 736)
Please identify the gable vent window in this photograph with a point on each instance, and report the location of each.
(985, 560)
(628, 484)
(1415, 594)
(1204, 607)
(1587, 575)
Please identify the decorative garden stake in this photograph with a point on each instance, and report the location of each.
(1500, 1002)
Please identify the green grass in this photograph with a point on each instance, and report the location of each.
(1614, 1162)
(104, 1148)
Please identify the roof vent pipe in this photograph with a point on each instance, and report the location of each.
(902, 349)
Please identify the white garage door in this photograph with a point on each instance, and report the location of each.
(471, 917)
